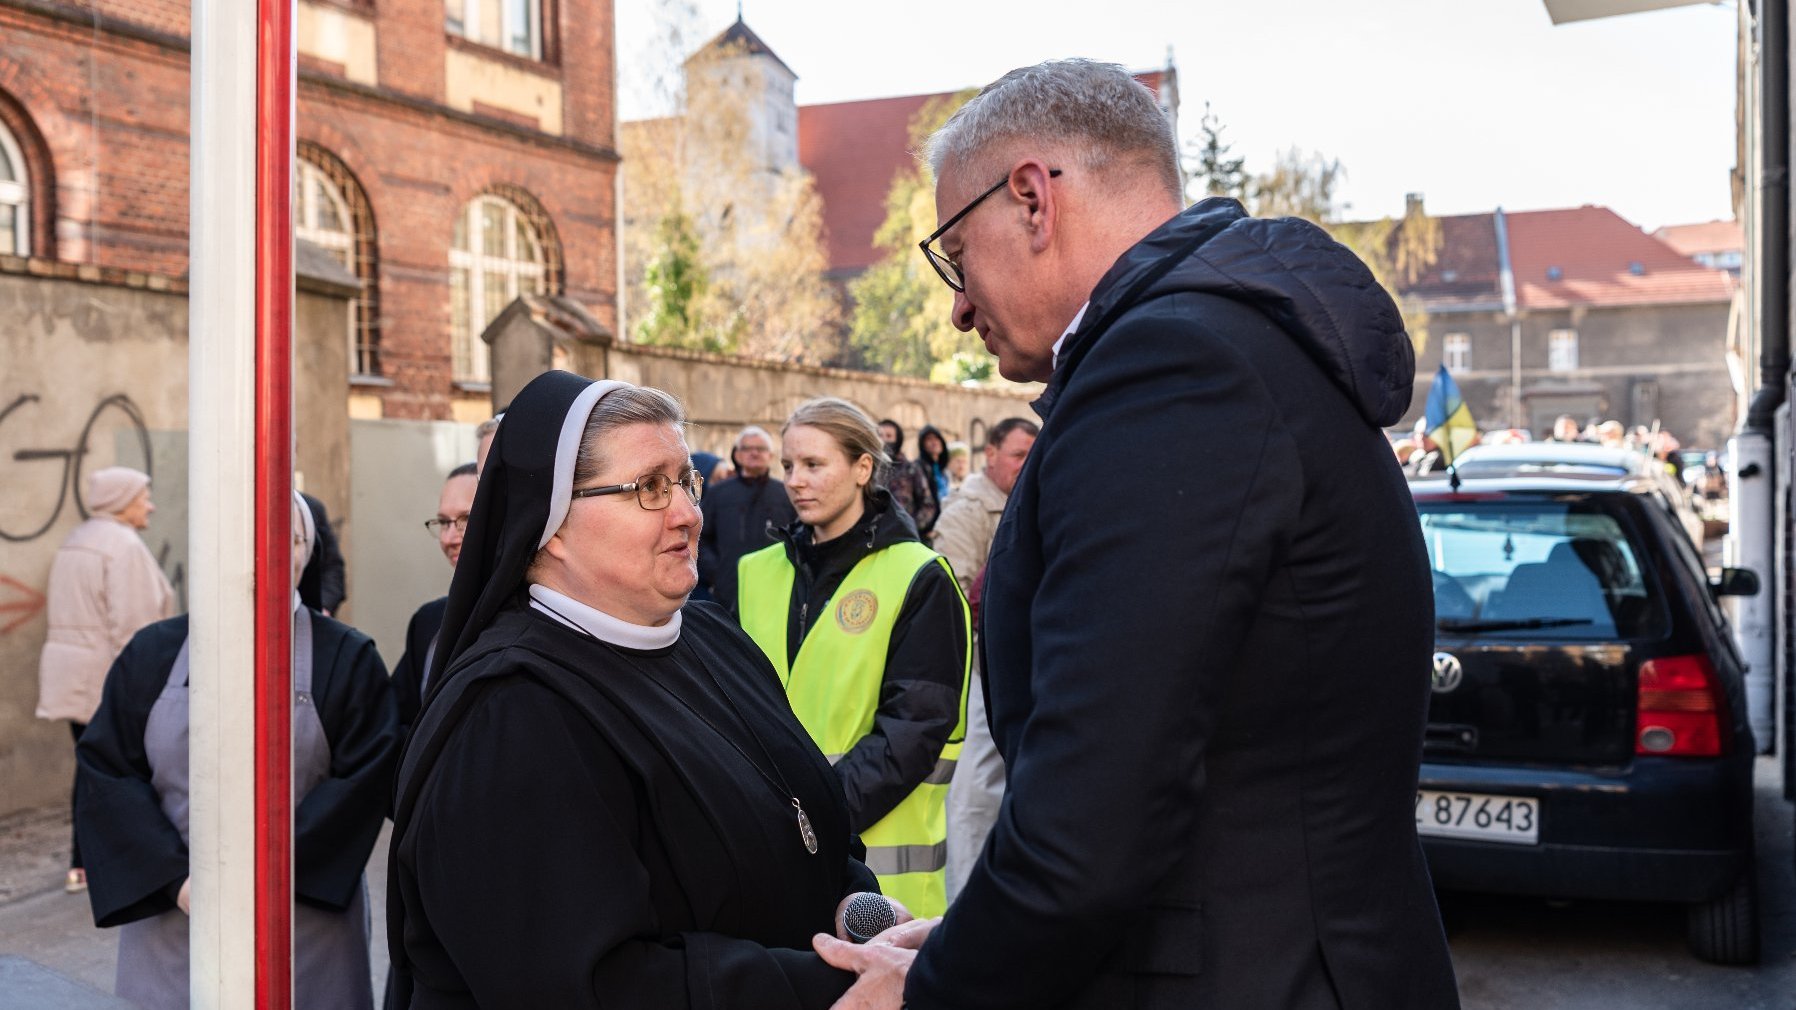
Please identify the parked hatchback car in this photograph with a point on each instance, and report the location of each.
(1587, 735)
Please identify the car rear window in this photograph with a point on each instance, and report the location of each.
(1562, 569)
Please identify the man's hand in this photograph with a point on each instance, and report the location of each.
(185, 898)
(907, 934)
(881, 967)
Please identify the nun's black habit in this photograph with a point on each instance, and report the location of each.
(585, 824)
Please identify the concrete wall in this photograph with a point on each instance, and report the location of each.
(95, 375)
(394, 563)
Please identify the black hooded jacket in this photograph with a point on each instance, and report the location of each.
(920, 698)
(1208, 680)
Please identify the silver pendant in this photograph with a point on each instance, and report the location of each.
(804, 828)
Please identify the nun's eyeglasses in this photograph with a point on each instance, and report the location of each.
(654, 491)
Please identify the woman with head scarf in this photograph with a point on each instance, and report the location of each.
(606, 800)
(104, 585)
(132, 777)
(869, 632)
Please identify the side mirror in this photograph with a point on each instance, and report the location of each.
(1735, 582)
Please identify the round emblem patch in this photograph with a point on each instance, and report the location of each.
(856, 611)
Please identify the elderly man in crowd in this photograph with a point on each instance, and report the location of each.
(963, 535)
(740, 514)
(1211, 719)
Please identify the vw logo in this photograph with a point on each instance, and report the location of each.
(1447, 672)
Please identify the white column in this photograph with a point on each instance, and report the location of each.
(221, 566)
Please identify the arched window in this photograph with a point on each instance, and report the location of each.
(331, 211)
(15, 197)
(503, 247)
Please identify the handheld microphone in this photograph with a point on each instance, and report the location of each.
(867, 916)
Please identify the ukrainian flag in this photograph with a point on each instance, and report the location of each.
(1448, 420)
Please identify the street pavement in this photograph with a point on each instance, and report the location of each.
(1511, 954)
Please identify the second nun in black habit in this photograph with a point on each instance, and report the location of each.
(606, 800)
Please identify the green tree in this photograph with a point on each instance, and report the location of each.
(901, 308)
(1209, 164)
(1299, 184)
(674, 283)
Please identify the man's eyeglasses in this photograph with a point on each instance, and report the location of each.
(654, 491)
(946, 268)
(440, 526)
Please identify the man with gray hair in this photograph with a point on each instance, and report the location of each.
(1208, 676)
(739, 514)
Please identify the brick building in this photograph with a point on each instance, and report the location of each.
(451, 160)
(1589, 314)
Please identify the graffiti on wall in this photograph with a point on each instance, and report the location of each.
(67, 465)
(48, 480)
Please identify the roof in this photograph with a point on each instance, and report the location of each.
(1590, 255)
(854, 149)
(1708, 237)
(739, 37)
(1466, 275)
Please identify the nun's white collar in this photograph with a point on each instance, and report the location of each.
(570, 612)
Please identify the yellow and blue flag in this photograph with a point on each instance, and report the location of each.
(1447, 419)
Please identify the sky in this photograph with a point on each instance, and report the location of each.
(1473, 103)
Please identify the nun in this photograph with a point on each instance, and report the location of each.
(132, 779)
(607, 800)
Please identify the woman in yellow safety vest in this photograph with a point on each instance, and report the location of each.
(868, 630)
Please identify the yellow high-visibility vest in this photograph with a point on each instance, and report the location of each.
(834, 684)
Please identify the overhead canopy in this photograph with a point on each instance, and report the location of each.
(1562, 11)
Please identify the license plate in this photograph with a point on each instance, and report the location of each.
(1512, 819)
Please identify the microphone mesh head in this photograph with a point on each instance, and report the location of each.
(867, 916)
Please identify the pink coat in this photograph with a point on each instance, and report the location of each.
(104, 586)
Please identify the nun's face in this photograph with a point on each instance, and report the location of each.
(302, 551)
(612, 554)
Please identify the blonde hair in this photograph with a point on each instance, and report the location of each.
(852, 431)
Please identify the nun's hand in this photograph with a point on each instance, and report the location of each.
(900, 914)
(185, 898)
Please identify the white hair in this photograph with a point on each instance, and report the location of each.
(753, 429)
(1098, 110)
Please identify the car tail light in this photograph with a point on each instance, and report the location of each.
(1680, 708)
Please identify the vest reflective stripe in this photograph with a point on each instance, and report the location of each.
(894, 859)
(941, 774)
(834, 684)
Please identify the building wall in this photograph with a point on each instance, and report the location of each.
(96, 375)
(1636, 364)
(110, 100)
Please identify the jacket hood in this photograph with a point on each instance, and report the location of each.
(1310, 286)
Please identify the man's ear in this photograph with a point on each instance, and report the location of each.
(1030, 186)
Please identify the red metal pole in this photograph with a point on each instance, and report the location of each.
(274, 505)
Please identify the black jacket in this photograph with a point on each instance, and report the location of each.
(741, 516)
(920, 698)
(1208, 680)
(408, 673)
(321, 585)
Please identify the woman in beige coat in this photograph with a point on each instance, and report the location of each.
(104, 586)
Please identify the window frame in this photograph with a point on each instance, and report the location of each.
(17, 193)
(1456, 352)
(536, 15)
(469, 356)
(1562, 350)
(313, 161)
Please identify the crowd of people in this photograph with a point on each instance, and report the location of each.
(687, 731)
(1419, 454)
